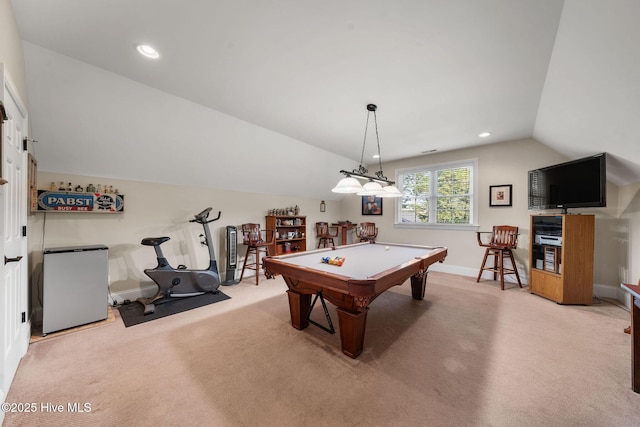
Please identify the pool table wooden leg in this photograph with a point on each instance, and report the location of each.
(299, 305)
(352, 327)
(419, 285)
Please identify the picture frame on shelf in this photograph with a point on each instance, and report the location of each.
(371, 205)
(500, 195)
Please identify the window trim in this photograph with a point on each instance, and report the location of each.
(473, 163)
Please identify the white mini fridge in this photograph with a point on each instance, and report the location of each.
(75, 286)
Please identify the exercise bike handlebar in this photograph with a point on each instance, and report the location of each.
(201, 218)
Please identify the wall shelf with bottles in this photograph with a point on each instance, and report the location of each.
(290, 233)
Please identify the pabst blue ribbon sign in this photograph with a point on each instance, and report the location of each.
(68, 201)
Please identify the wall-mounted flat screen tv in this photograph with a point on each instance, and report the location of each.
(579, 183)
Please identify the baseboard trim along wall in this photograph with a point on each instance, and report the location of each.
(149, 289)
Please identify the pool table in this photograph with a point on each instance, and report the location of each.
(369, 269)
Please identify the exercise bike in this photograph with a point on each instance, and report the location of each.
(181, 281)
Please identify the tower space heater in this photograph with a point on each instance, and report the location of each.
(232, 256)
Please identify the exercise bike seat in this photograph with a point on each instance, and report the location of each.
(154, 241)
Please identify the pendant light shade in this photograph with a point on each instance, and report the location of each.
(390, 191)
(371, 188)
(347, 185)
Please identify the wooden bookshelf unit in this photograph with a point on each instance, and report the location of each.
(290, 232)
(561, 257)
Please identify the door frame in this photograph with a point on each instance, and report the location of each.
(24, 329)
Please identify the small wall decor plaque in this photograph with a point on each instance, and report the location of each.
(71, 201)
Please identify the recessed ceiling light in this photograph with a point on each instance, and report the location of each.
(148, 51)
(376, 156)
(484, 134)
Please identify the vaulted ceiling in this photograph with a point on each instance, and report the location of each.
(440, 71)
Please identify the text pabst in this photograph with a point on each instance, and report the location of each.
(52, 201)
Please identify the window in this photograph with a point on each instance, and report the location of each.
(438, 194)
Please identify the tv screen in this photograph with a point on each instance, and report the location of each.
(580, 183)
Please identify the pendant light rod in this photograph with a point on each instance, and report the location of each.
(373, 107)
(361, 172)
(350, 185)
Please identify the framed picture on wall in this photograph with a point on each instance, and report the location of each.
(371, 205)
(500, 195)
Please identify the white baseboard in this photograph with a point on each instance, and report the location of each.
(150, 289)
(621, 295)
(473, 272)
(145, 291)
(612, 292)
(599, 290)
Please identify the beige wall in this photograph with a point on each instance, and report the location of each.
(627, 233)
(153, 210)
(11, 49)
(501, 163)
(159, 210)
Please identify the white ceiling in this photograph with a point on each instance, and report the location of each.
(440, 71)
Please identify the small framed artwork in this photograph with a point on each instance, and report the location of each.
(500, 195)
(371, 205)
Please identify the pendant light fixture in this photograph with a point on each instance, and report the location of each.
(374, 185)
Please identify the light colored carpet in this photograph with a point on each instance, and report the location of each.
(468, 355)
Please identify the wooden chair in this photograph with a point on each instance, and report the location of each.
(504, 238)
(367, 232)
(325, 234)
(256, 243)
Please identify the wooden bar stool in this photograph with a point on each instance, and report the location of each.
(256, 243)
(367, 232)
(325, 234)
(504, 238)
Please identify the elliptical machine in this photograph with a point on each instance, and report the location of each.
(181, 281)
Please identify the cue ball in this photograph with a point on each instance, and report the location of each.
(386, 248)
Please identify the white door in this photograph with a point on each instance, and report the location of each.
(14, 322)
